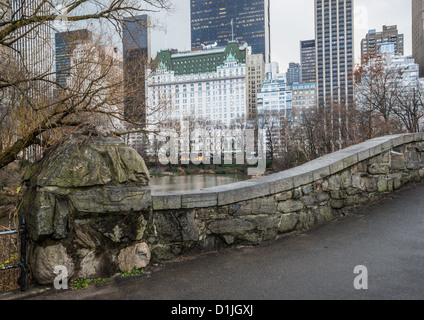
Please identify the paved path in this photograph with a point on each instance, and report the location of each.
(387, 238)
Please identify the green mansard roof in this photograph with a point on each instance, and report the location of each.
(200, 61)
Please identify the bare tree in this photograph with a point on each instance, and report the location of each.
(380, 88)
(410, 108)
(31, 114)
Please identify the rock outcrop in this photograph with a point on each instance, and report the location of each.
(88, 201)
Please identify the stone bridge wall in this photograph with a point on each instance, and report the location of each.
(251, 212)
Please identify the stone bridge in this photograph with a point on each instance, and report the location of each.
(262, 209)
(89, 206)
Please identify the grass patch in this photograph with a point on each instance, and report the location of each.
(83, 284)
(134, 272)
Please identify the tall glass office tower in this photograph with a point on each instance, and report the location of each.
(334, 50)
(136, 39)
(222, 21)
(65, 43)
(308, 61)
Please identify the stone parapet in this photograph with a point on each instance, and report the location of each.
(261, 209)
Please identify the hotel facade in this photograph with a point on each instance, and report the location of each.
(206, 86)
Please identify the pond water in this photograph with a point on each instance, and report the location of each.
(193, 182)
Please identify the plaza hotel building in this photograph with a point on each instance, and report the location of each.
(207, 86)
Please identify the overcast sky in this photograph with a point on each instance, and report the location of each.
(291, 21)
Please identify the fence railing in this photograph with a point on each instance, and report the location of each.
(13, 260)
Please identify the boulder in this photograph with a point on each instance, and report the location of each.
(46, 259)
(90, 197)
(137, 256)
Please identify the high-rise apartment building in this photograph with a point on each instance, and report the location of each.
(254, 78)
(136, 40)
(65, 43)
(308, 61)
(370, 45)
(293, 73)
(304, 102)
(418, 33)
(334, 49)
(274, 109)
(221, 21)
(275, 99)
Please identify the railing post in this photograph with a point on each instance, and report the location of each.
(22, 264)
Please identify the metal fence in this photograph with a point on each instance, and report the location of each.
(12, 260)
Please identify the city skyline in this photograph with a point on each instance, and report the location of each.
(370, 14)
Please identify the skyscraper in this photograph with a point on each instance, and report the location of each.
(418, 33)
(65, 43)
(221, 21)
(370, 45)
(308, 61)
(136, 46)
(334, 47)
(255, 76)
(293, 73)
(32, 45)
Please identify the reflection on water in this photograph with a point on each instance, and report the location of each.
(192, 182)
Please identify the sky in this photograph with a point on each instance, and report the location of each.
(291, 22)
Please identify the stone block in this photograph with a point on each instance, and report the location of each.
(46, 259)
(419, 136)
(290, 206)
(350, 161)
(412, 160)
(363, 155)
(283, 196)
(346, 180)
(241, 191)
(137, 256)
(288, 222)
(112, 199)
(266, 205)
(264, 222)
(337, 204)
(397, 161)
(315, 199)
(308, 189)
(336, 167)
(120, 228)
(61, 219)
(176, 226)
(41, 215)
(281, 185)
(250, 238)
(303, 179)
(420, 147)
(371, 184)
(356, 181)
(378, 168)
(198, 199)
(231, 226)
(334, 183)
(168, 201)
(321, 173)
(278, 182)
